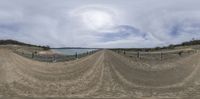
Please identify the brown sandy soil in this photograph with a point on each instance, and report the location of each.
(103, 75)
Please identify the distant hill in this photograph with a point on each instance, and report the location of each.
(188, 43)
(193, 42)
(14, 42)
(75, 48)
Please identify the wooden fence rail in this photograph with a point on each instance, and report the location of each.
(53, 58)
(158, 55)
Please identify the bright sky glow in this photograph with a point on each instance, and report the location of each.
(100, 23)
(96, 19)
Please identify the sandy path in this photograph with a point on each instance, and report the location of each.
(104, 74)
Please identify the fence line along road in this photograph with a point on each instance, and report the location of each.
(54, 57)
(158, 54)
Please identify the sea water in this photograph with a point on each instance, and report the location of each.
(73, 51)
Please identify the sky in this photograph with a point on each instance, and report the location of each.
(100, 23)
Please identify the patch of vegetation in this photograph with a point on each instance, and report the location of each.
(7, 42)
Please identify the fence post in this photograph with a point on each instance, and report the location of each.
(46, 58)
(31, 54)
(161, 55)
(76, 55)
(54, 58)
(124, 52)
(138, 54)
(180, 53)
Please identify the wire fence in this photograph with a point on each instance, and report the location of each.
(53, 57)
(158, 55)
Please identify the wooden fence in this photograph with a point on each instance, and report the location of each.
(54, 57)
(158, 55)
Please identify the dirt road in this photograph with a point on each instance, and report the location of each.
(104, 74)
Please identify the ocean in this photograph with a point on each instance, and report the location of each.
(73, 51)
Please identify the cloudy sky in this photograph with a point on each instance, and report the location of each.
(100, 23)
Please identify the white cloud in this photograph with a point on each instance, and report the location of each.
(50, 22)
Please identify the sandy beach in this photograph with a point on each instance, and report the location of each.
(104, 74)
